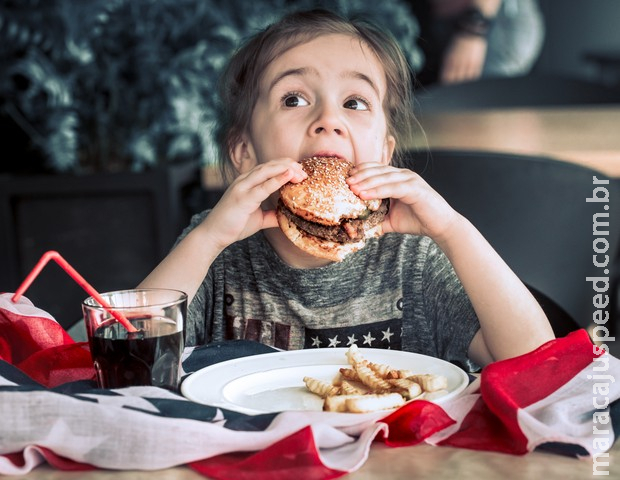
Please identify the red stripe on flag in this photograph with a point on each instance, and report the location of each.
(482, 430)
(63, 463)
(293, 457)
(414, 422)
(57, 365)
(42, 349)
(510, 385)
(54, 460)
(524, 380)
(21, 336)
(16, 458)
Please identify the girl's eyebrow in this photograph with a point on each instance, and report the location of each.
(292, 72)
(361, 76)
(302, 71)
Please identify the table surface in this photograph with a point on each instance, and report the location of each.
(587, 135)
(422, 462)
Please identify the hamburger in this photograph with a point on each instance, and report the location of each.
(322, 216)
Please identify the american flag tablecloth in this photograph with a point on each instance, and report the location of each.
(563, 397)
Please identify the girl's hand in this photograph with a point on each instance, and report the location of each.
(415, 207)
(238, 214)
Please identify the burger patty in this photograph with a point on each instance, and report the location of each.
(350, 230)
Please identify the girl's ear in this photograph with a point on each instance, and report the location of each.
(243, 156)
(388, 149)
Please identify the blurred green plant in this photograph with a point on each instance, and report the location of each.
(126, 85)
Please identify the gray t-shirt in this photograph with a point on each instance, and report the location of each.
(398, 292)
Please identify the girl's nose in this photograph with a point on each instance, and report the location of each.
(327, 121)
(323, 129)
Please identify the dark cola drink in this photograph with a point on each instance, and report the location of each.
(150, 356)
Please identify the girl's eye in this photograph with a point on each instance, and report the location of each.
(294, 100)
(357, 104)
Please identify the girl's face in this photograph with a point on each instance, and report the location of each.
(324, 97)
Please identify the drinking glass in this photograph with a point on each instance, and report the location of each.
(149, 356)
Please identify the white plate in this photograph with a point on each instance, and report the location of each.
(273, 382)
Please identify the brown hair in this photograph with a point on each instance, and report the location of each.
(239, 85)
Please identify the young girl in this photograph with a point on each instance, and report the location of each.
(315, 84)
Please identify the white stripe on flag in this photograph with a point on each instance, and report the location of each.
(566, 415)
(23, 308)
(457, 410)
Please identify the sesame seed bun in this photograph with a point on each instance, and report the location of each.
(325, 197)
(322, 216)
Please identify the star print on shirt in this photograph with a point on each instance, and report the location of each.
(334, 342)
(368, 339)
(386, 334)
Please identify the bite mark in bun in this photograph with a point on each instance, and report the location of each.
(322, 216)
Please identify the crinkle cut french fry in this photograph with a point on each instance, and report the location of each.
(350, 374)
(430, 396)
(320, 387)
(407, 388)
(430, 382)
(338, 403)
(382, 370)
(371, 379)
(374, 402)
(354, 356)
(349, 388)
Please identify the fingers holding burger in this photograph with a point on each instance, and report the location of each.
(322, 216)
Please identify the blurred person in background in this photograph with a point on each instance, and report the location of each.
(464, 40)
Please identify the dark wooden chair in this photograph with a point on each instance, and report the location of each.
(534, 212)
